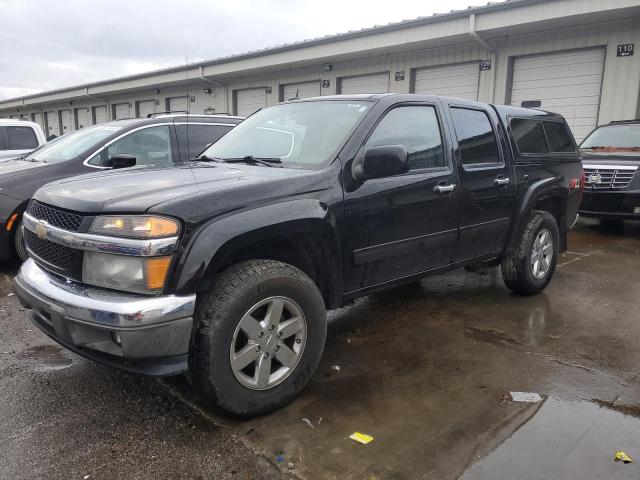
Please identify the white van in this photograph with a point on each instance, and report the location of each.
(19, 137)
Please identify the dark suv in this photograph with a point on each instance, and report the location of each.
(226, 266)
(161, 141)
(611, 157)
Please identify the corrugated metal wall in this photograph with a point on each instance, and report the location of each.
(620, 85)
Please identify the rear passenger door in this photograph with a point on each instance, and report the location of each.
(487, 188)
(194, 137)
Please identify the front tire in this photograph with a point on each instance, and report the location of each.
(18, 242)
(258, 337)
(528, 267)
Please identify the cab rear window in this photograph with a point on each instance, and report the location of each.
(534, 136)
(17, 138)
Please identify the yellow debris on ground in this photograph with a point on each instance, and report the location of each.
(361, 437)
(623, 457)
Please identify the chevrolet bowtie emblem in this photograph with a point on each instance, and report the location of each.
(41, 230)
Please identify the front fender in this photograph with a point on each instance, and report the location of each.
(208, 244)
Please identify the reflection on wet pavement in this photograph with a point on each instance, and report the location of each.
(565, 439)
(47, 358)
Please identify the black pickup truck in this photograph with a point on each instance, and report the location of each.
(225, 267)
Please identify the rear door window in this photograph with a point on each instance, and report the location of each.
(197, 136)
(477, 141)
(17, 138)
(529, 135)
(559, 137)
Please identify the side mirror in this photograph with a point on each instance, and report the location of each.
(381, 161)
(122, 160)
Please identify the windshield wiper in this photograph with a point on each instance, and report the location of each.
(206, 158)
(266, 161)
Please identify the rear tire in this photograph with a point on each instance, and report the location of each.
(18, 242)
(528, 267)
(235, 317)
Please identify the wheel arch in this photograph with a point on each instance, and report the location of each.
(299, 232)
(548, 195)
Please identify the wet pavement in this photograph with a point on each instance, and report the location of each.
(426, 369)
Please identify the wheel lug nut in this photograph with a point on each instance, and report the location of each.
(261, 334)
(279, 334)
(271, 327)
(266, 355)
(258, 348)
(276, 348)
(298, 340)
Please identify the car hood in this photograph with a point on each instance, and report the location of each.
(20, 179)
(613, 158)
(138, 189)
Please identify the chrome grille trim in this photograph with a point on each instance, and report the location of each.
(100, 243)
(612, 177)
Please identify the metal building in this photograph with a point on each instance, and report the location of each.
(574, 57)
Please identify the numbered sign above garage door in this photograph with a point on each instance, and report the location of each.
(460, 81)
(301, 90)
(120, 111)
(250, 100)
(146, 108)
(376, 83)
(100, 114)
(567, 83)
(178, 104)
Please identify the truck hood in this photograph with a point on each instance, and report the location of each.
(138, 189)
(613, 158)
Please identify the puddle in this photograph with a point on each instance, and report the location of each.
(47, 358)
(566, 440)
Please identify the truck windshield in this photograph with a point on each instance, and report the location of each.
(614, 138)
(73, 144)
(301, 135)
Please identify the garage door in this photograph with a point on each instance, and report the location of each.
(178, 104)
(301, 90)
(460, 81)
(100, 114)
(82, 117)
(37, 118)
(377, 83)
(249, 101)
(121, 110)
(567, 83)
(67, 126)
(146, 108)
(53, 127)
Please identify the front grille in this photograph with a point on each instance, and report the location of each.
(52, 253)
(615, 178)
(54, 216)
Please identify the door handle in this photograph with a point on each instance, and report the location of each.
(444, 188)
(502, 181)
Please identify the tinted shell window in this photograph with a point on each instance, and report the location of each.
(476, 139)
(559, 137)
(529, 135)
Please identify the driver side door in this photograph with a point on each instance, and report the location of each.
(153, 145)
(402, 225)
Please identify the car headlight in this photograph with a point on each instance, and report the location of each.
(135, 226)
(125, 272)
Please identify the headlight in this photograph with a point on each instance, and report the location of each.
(135, 226)
(124, 272)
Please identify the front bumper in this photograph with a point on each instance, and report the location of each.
(137, 333)
(621, 204)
